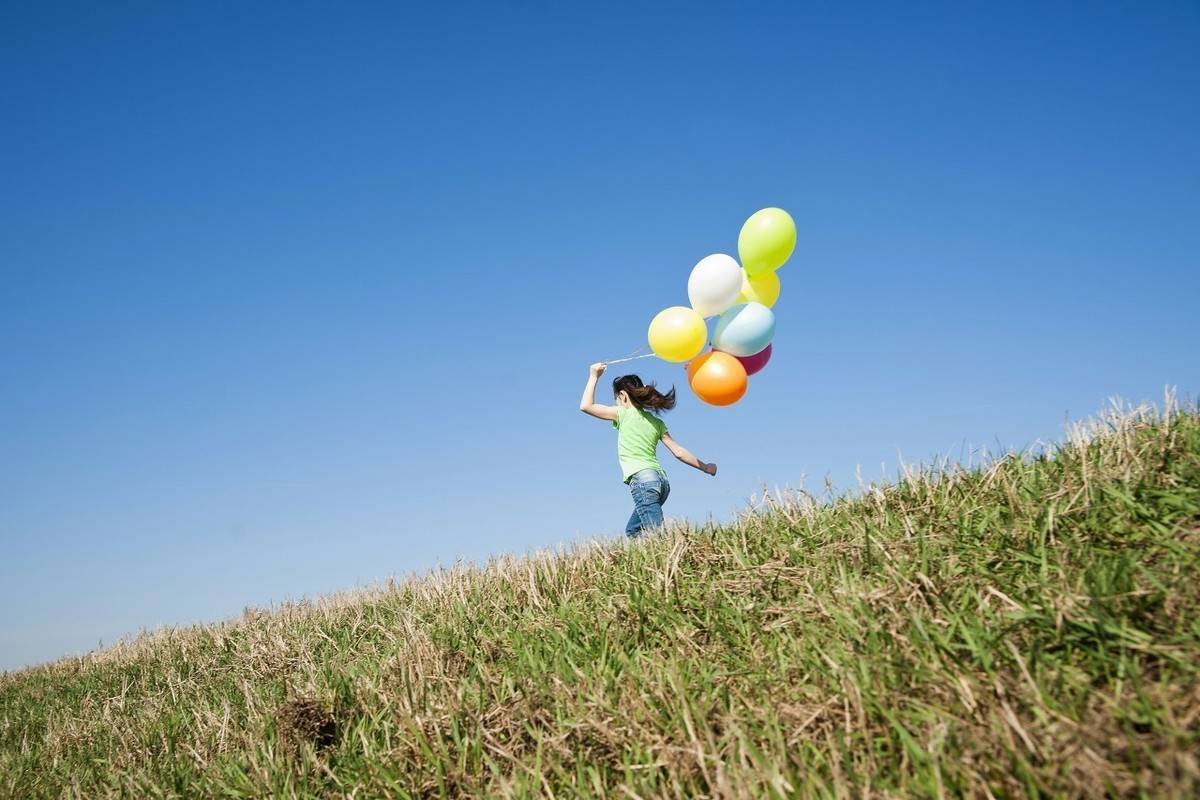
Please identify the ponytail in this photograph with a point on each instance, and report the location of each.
(643, 396)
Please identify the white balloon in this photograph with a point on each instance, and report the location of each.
(714, 284)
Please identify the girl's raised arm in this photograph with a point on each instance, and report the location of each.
(587, 403)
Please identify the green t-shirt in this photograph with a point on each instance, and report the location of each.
(638, 434)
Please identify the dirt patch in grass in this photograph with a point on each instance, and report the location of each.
(305, 720)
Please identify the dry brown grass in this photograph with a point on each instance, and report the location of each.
(1025, 628)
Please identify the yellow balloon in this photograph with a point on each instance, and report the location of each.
(677, 334)
(766, 241)
(759, 289)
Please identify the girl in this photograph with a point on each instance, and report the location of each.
(638, 434)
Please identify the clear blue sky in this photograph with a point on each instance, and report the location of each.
(297, 296)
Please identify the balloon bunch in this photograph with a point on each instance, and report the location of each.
(741, 299)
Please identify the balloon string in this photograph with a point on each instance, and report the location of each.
(631, 355)
(629, 358)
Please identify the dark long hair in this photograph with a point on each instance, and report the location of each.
(646, 397)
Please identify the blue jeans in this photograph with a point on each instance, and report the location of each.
(649, 488)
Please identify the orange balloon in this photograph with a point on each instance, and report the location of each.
(717, 378)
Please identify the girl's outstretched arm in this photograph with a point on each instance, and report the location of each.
(684, 455)
(587, 403)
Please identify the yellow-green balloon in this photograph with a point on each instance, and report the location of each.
(762, 288)
(766, 241)
(677, 334)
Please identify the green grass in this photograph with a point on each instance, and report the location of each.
(1026, 628)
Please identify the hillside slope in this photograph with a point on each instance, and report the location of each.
(1028, 627)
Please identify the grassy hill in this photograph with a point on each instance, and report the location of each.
(1028, 627)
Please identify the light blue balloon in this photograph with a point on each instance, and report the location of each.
(744, 330)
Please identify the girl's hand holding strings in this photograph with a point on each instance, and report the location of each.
(598, 368)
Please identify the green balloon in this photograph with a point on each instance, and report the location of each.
(766, 241)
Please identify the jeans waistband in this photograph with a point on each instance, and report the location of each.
(648, 474)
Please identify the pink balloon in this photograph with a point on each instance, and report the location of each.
(755, 362)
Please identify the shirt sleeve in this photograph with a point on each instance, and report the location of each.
(617, 421)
